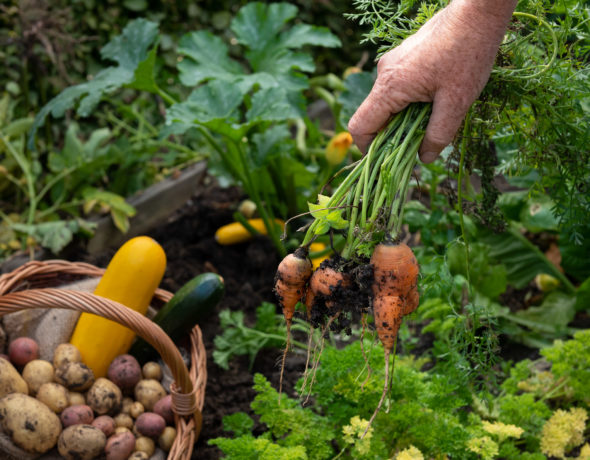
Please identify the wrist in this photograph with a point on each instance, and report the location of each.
(493, 15)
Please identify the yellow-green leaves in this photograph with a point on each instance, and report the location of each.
(327, 217)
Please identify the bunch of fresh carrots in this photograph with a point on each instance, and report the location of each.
(374, 271)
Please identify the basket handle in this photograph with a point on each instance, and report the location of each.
(184, 400)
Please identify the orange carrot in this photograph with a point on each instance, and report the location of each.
(395, 272)
(412, 301)
(325, 281)
(395, 269)
(290, 280)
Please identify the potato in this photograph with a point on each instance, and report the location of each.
(152, 370)
(148, 392)
(104, 397)
(166, 439)
(76, 399)
(120, 446)
(30, 423)
(54, 396)
(123, 420)
(105, 424)
(10, 379)
(150, 424)
(125, 372)
(76, 415)
(144, 444)
(23, 350)
(139, 455)
(136, 409)
(36, 373)
(122, 429)
(74, 376)
(81, 442)
(164, 408)
(126, 405)
(66, 353)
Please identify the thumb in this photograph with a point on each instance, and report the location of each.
(446, 118)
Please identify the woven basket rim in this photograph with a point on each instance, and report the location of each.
(188, 389)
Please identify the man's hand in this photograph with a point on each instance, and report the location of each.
(447, 62)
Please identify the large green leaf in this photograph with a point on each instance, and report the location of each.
(522, 259)
(537, 214)
(357, 87)
(556, 312)
(212, 104)
(257, 24)
(206, 57)
(270, 50)
(271, 104)
(488, 278)
(52, 235)
(267, 144)
(129, 50)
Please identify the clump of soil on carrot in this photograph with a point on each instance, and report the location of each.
(347, 300)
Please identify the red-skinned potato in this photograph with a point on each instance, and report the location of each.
(150, 424)
(74, 415)
(22, 350)
(125, 372)
(120, 446)
(105, 423)
(164, 408)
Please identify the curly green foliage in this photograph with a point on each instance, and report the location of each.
(526, 412)
(294, 433)
(247, 447)
(289, 423)
(424, 408)
(520, 372)
(571, 360)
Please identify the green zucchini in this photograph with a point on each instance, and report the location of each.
(192, 303)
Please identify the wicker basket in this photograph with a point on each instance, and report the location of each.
(33, 286)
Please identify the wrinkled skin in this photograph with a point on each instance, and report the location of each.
(447, 62)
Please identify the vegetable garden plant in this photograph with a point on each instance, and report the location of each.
(498, 228)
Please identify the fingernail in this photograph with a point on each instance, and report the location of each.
(428, 157)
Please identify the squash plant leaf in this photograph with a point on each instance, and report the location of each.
(262, 30)
(356, 88)
(211, 105)
(128, 50)
(271, 104)
(205, 58)
(522, 259)
(54, 235)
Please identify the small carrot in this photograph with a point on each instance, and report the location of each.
(290, 280)
(325, 281)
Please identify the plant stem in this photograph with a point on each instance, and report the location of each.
(25, 167)
(466, 128)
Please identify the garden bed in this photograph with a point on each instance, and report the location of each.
(248, 271)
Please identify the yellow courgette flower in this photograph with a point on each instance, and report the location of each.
(337, 147)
